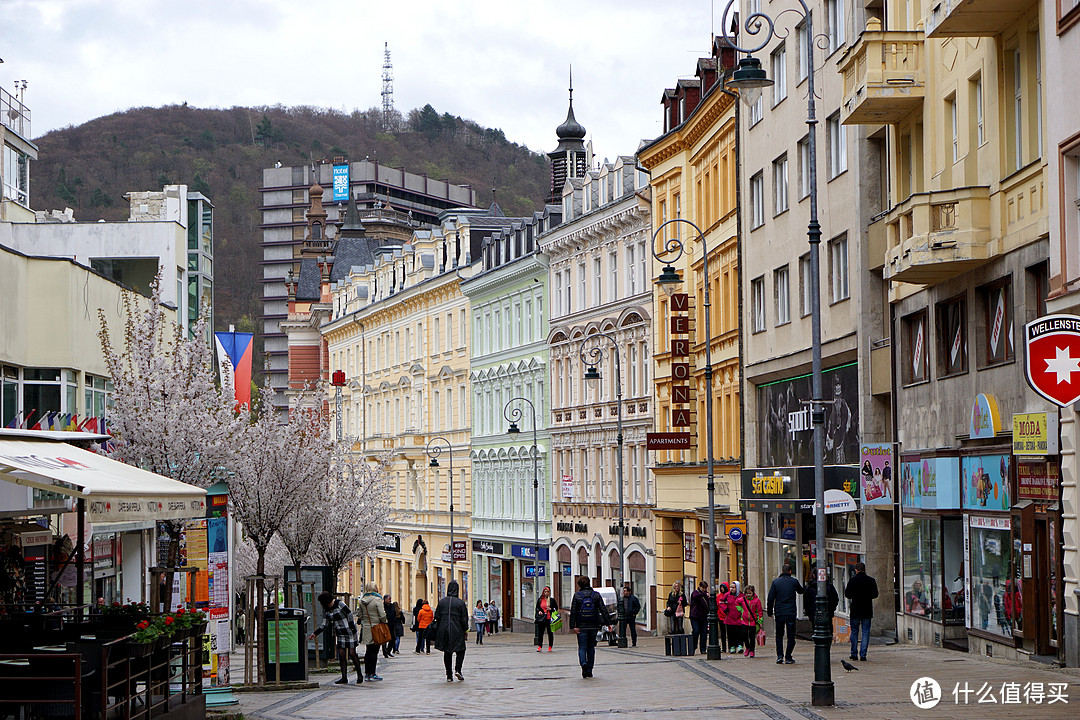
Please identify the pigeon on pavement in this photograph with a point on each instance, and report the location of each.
(848, 666)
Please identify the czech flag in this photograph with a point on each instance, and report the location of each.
(235, 349)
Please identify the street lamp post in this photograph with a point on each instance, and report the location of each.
(750, 77)
(512, 415)
(592, 357)
(669, 281)
(433, 452)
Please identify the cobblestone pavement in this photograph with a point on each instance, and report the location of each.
(505, 679)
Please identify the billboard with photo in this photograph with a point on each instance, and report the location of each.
(786, 436)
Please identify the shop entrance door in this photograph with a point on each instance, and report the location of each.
(508, 613)
(1045, 606)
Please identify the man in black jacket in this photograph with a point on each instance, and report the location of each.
(861, 591)
(832, 598)
(782, 599)
(630, 606)
(587, 614)
(452, 625)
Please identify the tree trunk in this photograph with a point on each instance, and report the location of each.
(260, 608)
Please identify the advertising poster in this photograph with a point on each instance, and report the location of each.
(985, 482)
(1038, 481)
(876, 473)
(931, 483)
(283, 632)
(784, 416)
(197, 556)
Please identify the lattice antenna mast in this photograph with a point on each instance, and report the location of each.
(387, 88)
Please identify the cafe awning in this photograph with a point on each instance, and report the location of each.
(113, 491)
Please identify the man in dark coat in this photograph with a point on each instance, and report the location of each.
(832, 598)
(587, 614)
(630, 606)
(782, 599)
(861, 591)
(452, 621)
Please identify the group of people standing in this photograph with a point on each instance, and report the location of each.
(741, 617)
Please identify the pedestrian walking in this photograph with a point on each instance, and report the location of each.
(722, 594)
(452, 629)
(492, 615)
(480, 619)
(241, 625)
(338, 620)
(424, 616)
(391, 621)
(832, 598)
(370, 612)
(399, 627)
(676, 608)
(733, 619)
(861, 590)
(587, 614)
(753, 619)
(699, 615)
(781, 601)
(630, 606)
(546, 609)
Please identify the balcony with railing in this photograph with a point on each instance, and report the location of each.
(14, 115)
(935, 236)
(974, 18)
(884, 76)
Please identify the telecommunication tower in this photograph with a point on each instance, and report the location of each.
(387, 89)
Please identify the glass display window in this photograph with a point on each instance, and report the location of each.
(922, 558)
(996, 599)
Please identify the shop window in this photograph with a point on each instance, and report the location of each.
(1039, 284)
(915, 366)
(841, 568)
(953, 349)
(995, 597)
(996, 322)
(922, 554)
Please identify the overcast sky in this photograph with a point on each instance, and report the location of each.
(501, 63)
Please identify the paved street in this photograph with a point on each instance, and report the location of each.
(506, 679)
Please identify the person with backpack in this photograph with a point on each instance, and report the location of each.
(587, 614)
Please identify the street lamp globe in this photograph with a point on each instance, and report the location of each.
(592, 377)
(749, 79)
(669, 281)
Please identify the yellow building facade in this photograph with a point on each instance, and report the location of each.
(693, 166)
(400, 332)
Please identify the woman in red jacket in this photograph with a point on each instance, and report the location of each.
(752, 618)
(733, 619)
(721, 613)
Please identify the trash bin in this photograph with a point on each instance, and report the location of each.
(286, 633)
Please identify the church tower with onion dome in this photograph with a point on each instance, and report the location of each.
(571, 158)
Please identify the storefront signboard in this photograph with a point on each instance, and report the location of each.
(985, 482)
(1052, 356)
(930, 482)
(784, 416)
(985, 418)
(838, 501)
(1038, 481)
(876, 474)
(568, 487)
(527, 552)
(689, 547)
(796, 483)
(36, 537)
(487, 547)
(1035, 433)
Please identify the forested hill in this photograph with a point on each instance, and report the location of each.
(221, 153)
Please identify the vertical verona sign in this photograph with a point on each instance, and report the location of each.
(680, 360)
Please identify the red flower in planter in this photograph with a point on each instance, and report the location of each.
(169, 620)
(143, 625)
(180, 611)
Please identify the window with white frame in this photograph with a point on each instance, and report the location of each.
(804, 168)
(805, 285)
(757, 304)
(801, 46)
(834, 10)
(566, 292)
(756, 112)
(643, 270)
(954, 125)
(598, 273)
(780, 184)
(1018, 112)
(980, 132)
(837, 150)
(631, 271)
(781, 295)
(779, 74)
(757, 200)
(838, 268)
(613, 273)
(583, 298)
(558, 295)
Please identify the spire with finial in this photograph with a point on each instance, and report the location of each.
(570, 159)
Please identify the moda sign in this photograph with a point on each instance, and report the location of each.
(1052, 358)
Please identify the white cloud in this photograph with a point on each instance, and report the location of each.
(501, 63)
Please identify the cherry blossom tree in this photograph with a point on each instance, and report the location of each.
(168, 413)
(355, 510)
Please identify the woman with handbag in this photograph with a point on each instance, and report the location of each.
(373, 628)
(676, 606)
(753, 620)
(546, 609)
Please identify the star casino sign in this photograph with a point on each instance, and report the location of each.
(1052, 357)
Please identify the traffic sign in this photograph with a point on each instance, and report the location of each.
(735, 534)
(534, 571)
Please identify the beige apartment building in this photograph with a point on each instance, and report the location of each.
(955, 89)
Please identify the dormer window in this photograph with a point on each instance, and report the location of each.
(316, 231)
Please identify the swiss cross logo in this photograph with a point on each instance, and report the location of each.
(1052, 358)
